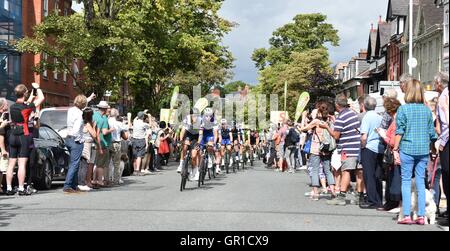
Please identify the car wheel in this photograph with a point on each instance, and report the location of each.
(44, 182)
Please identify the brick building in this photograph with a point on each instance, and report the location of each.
(17, 19)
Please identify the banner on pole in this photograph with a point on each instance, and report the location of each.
(303, 101)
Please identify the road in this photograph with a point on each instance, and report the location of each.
(255, 200)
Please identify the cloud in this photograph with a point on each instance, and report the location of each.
(259, 18)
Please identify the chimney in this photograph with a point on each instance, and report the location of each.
(362, 54)
(380, 21)
(371, 27)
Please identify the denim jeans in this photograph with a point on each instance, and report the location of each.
(315, 161)
(75, 149)
(419, 164)
(289, 155)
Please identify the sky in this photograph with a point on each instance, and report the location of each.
(258, 19)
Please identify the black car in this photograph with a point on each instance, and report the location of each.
(49, 160)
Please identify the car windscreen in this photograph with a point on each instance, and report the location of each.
(56, 119)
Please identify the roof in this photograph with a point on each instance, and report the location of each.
(398, 8)
(384, 33)
(340, 66)
(431, 14)
(371, 47)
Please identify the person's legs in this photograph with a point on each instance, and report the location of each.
(314, 162)
(82, 172)
(421, 164)
(407, 168)
(370, 162)
(116, 163)
(76, 151)
(326, 163)
(445, 178)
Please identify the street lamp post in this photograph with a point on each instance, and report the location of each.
(412, 62)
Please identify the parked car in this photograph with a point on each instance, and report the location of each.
(56, 118)
(49, 160)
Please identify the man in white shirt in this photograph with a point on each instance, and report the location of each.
(75, 141)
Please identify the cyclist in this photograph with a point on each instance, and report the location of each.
(209, 132)
(254, 142)
(225, 139)
(236, 140)
(190, 135)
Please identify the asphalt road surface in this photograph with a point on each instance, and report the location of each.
(254, 200)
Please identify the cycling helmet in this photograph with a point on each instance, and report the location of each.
(208, 112)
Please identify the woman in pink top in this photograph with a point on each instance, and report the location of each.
(394, 179)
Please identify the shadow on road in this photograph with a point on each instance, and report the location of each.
(6, 212)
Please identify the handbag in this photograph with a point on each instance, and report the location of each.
(388, 157)
(308, 143)
(3, 164)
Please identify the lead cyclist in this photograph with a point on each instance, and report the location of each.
(190, 135)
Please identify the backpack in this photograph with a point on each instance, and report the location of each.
(328, 144)
(293, 137)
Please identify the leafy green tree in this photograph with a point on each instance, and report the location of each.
(297, 56)
(234, 86)
(152, 45)
(308, 31)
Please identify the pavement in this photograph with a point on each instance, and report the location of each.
(253, 200)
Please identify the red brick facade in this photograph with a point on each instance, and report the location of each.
(57, 91)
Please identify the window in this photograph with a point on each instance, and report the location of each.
(44, 59)
(55, 71)
(45, 5)
(401, 25)
(446, 27)
(6, 5)
(56, 6)
(65, 72)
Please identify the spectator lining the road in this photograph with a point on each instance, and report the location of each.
(319, 158)
(103, 155)
(139, 142)
(87, 161)
(414, 134)
(75, 141)
(346, 132)
(371, 155)
(4, 129)
(441, 86)
(19, 143)
(393, 193)
(119, 130)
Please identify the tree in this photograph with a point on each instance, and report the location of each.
(309, 31)
(297, 56)
(179, 44)
(234, 87)
(151, 44)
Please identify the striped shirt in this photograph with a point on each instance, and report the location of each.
(350, 140)
(415, 124)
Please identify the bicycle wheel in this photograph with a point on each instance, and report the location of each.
(227, 162)
(185, 173)
(200, 170)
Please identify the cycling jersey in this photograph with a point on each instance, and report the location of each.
(253, 137)
(225, 133)
(192, 128)
(208, 126)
